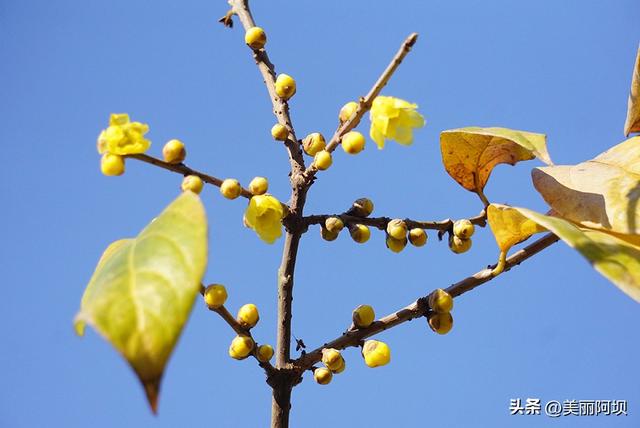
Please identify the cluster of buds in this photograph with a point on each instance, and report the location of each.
(398, 235)
(460, 239)
(333, 364)
(439, 313)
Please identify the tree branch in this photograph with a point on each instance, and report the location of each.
(418, 308)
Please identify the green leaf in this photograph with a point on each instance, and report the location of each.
(632, 124)
(470, 154)
(143, 289)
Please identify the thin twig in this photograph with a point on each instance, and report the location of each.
(418, 308)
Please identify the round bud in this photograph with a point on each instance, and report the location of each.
(463, 229)
(241, 347)
(248, 315)
(328, 235)
(174, 152)
(279, 132)
(230, 188)
(440, 301)
(417, 237)
(363, 316)
(396, 245)
(347, 111)
(340, 367)
(332, 358)
(376, 353)
(397, 229)
(285, 86)
(353, 142)
(215, 295)
(322, 160)
(255, 37)
(322, 375)
(264, 353)
(112, 165)
(258, 186)
(360, 233)
(334, 224)
(362, 207)
(441, 323)
(458, 245)
(313, 143)
(192, 183)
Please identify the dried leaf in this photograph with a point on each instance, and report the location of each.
(632, 124)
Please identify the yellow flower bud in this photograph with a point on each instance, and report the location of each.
(362, 207)
(123, 137)
(255, 37)
(328, 235)
(285, 86)
(279, 132)
(334, 224)
(347, 111)
(259, 186)
(440, 301)
(353, 142)
(463, 229)
(363, 316)
(230, 188)
(241, 347)
(397, 229)
(322, 375)
(264, 353)
(441, 323)
(332, 358)
(322, 160)
(340, 367)
(360, 233)
(376, 353)
(112, 165)
(458, 245)
(396, 245)
(264, 214)
(417, 237)
(193, 183)
(248, 315)
(174, 152)
(313, 143)
(215, 295)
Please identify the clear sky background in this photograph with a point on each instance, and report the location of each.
(552, 328)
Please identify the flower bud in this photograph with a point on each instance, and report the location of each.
(285, 86)
(322, 375)
(215, 295)
(458, 245)
(264, 353)
(362, 207)
(259, 186)
(441, 323)
(241, 347)
(347, 111)
(279, 132)
(322, 160)
(248, 315)
(313, 143)
(230, 188)
(332, 358)
(334, 224)
(397, 229)
(463, 229)
(363, 316)
(376, 353)
(396, 245)
(112, 165)
(255, 37)
(440, 301)
(192, 183)
(360, 233)
(353, 142)
(328, 235)
(417, 237)
(174, 152)
(340, 367)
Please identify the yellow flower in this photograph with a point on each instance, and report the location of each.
(393, 119)
(123, 137)
(264, 215)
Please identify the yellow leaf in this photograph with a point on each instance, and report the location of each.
(470, 154)
(601, 193)
(143, 289)
(509, 227)
(632, 124)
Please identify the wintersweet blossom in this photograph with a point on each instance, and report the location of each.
(393, 119)
(264, 215)
(123, 137)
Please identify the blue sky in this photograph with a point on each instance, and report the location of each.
(551, 329)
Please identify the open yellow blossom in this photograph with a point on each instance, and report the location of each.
(123, 137)
(393, 119)
(264, 215)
